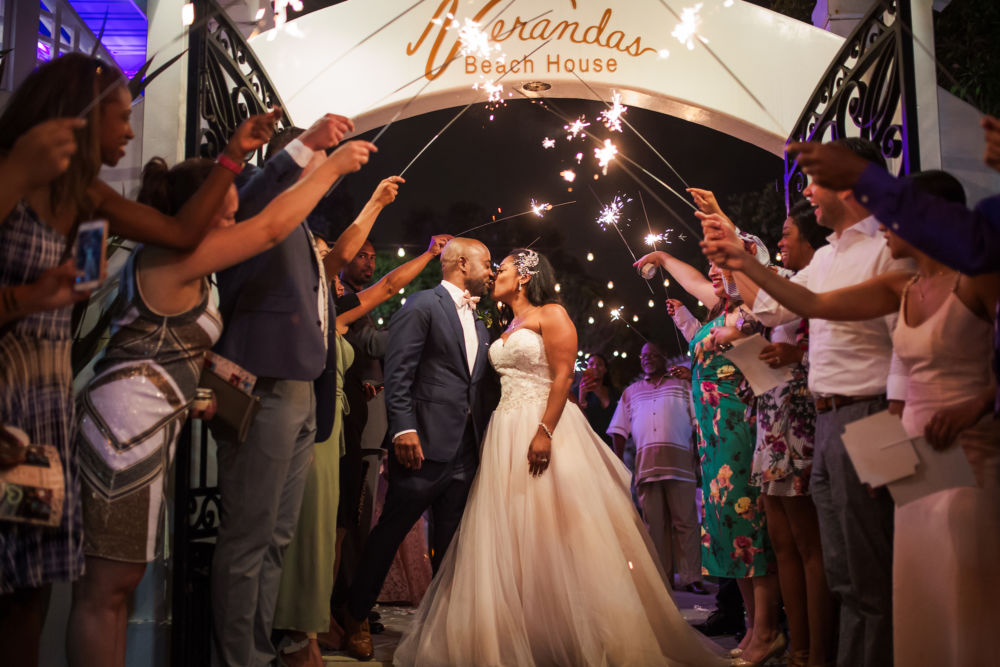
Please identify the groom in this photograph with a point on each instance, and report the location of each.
(434, 366)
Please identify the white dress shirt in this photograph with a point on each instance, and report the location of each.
(847, 358)
(466, 315)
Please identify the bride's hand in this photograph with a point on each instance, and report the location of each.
(539, 453)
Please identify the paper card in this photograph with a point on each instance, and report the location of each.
(937, 471)
(745, 354)
(880, 449)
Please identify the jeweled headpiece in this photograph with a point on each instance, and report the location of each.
(525, 263)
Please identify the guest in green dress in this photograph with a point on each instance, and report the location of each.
(734, 531)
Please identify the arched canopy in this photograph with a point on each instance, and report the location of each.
(611, 46)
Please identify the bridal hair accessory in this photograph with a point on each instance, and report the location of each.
(525, 262)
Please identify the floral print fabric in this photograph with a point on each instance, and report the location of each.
(733, 532)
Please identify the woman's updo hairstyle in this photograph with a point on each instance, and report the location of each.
(167, 189)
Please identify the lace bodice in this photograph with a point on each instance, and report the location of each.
(523, 368)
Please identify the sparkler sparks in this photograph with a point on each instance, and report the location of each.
(548, 143)
(611, 214)
(605, 155)
(540, 208)
(653, 239)
(575, 128)
(612, 117)
(474, 41)
(568, 175)
(494, 91)
(687, 29)
(579, 157)
(616, 314)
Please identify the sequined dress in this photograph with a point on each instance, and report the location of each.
(549, 570)
(130, 415)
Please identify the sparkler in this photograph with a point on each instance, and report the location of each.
(538, 209)
(475, 42)
(666, 290)
(610, 216)
(575, 128)
(687, 28)
(548, 143)
(605, 155)
(612, 118)
(616, 316)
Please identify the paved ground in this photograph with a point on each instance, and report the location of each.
(695, 609)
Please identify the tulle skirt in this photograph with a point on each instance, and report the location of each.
(550, 570)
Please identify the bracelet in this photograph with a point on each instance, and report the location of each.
(226, 162)
(546, 429)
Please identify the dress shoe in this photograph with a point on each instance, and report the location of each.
(357, 639)
(696, 587)
(776, 648)
(719, 623)
(797, 659)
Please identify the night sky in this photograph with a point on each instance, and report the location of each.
(481, 165)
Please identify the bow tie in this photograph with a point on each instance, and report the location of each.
(468, 301)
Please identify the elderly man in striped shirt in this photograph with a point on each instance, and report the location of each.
(656, 410)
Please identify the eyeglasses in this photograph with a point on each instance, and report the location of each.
(651, 356)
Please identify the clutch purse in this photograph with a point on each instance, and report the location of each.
(236, 406)
(33, 491)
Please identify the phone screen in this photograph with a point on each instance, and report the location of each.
(89, 254)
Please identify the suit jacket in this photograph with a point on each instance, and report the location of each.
(428, 384)
(269, 302)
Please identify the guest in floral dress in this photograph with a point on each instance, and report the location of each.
(734, 541)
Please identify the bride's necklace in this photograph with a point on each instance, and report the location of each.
(518, 321)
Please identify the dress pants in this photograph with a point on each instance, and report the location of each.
(441, 487)
(670, 514)
(856, 530)
(261, 483)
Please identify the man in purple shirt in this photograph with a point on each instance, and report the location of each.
(971, 243)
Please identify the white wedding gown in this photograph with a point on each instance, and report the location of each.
(555, 570)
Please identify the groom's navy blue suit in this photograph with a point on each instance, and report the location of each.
(429, 389)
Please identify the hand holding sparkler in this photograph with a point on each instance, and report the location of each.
(326, 132)
(386, 191)
(727, 254)
(717, 227)
(829, 165)
(352, 156)
(705, 201)
(438, 242)
(252, 133)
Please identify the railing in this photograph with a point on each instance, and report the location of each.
(868, 91)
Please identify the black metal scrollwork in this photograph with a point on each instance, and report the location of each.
(231, 84)
(867, 91)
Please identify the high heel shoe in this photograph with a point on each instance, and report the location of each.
(776, 648)
(797, 659)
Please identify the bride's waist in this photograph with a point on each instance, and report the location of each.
(519, 391)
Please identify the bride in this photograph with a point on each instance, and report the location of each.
(551, 564)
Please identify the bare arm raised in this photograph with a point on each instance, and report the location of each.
(690, 278)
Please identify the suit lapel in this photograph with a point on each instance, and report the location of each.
(451, 314)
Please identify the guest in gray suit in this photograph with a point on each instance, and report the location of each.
(435, 363)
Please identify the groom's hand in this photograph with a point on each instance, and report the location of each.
(408, 451)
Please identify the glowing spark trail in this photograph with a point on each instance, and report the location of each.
(612, 118)
(568, 174)
(605, 155)
(579, 157)
(548, 143)
(536, 208)
(474, 41)
(611, 213)
(687, 29)
(539, 209)
(575, 128)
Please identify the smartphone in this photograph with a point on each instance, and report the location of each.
(91, 242)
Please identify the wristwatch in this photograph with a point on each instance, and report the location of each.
(746, 325)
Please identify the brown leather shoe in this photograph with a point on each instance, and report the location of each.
(357, 639)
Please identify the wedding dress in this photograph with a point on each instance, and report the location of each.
(549, 570)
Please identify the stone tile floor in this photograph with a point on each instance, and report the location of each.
(695, 608)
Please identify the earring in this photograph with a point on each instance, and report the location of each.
(518, 288)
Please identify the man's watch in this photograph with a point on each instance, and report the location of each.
(746, 325)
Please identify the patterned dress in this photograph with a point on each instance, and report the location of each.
(131, 414)
(733, 531)
(786, 424)
(36, 395)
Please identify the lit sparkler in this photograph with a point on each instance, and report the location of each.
(616, 316)
(612, 118)
(540, 208)
(605, 155)
(568, 175)
(474, 41)
(494, 90)
(548, 143)
(575, 128)
(687, 29)
(611, 214)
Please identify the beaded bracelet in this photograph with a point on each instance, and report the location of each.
(546, 429)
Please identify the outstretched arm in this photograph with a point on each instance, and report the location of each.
(689, 277)
(559, 339)
(228, 246)
(392, 282)
(185, 230)
(351, 239)
(864, 301)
